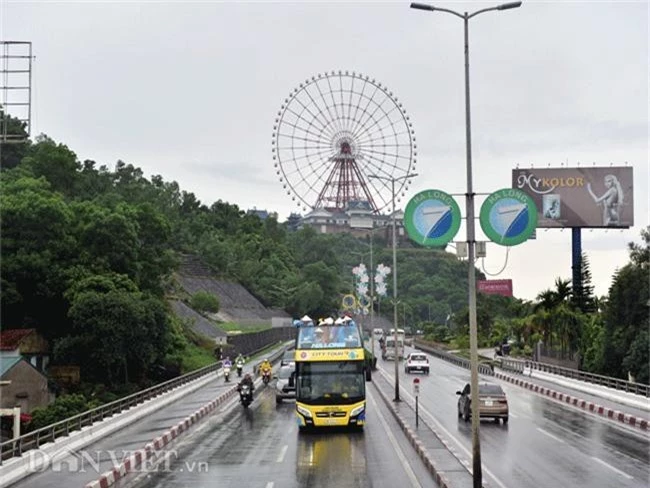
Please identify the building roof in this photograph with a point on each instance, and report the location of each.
(10, 339)
(8, 361)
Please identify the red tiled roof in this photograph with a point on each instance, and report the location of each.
(10, 338)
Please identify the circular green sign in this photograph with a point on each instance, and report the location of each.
(432, 218)
(508, 217)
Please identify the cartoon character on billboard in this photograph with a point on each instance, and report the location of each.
(551, 206)
(610, 200)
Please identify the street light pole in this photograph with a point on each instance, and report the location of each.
(393, 180)
(471, 236)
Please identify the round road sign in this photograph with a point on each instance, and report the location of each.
(508, 217)
(432, 218)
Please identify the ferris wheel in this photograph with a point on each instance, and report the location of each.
(332, 133)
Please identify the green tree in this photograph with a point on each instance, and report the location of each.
(11, 153)
(626, 314)
(118, 333)
(203, 301)
(583, 292)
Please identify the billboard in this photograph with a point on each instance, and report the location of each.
(495, 287)
(579, 197)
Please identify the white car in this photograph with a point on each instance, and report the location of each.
(285, 386)
(416, 361)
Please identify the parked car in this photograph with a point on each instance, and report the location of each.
(492, 402)
(288, 359)
(416, 361)
(285, 386)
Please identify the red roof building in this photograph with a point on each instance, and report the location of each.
(28, 343)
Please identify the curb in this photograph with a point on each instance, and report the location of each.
(612, 414)
(412, 437)
(134, 460)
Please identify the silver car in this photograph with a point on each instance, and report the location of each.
(285, 386)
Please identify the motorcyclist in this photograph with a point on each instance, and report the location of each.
(239, 363)
(265, 366)
(227, 363)
(246, 380)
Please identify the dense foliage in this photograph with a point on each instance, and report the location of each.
(88, 254)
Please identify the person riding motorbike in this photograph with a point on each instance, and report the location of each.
(265, 366)
(265, 370)
(239, 363)
(246, 380)
(227, 365)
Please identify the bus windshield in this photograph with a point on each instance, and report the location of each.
(331, 383)
(329, 337)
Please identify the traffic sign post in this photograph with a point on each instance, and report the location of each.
(416, 393)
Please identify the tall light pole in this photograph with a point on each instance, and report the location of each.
(392, 181)
(469, 202)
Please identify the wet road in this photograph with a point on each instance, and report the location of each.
(76, 468)
(262, 447)
(545, 445)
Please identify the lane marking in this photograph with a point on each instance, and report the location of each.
(548, 434)
(398, 450)
(514, 416)
(270, 484)
(460, 446)
(612, 468)
(283, 451)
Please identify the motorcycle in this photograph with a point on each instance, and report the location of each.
(245, 395)
(266, 376)
(226, 373)
(240, 368)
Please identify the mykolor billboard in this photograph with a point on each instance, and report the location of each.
(579, 197)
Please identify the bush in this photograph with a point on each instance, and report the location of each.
(202, 301)
(63, 407)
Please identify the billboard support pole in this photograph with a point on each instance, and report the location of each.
(576, 259)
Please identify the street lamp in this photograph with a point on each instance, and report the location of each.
(469, 202)
(392, 181)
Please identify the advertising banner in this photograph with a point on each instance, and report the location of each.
(495, 287)
(579, 197)
(325, 355)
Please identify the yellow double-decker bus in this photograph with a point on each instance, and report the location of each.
(331, 371)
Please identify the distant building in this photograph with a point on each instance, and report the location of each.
(358, 220)
(22, 384)
(27, 343)
(262, 214)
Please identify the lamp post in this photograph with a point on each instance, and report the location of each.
(469, 202)
(392, 181)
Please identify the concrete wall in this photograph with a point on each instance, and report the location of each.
(249, 343)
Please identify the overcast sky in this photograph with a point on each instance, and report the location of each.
(190, 91)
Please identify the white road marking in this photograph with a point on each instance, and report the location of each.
(270, 484)
(612, 468)
(548, 434)
(283, 452)
(393, 441)
(440, 427)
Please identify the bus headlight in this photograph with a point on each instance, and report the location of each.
(357, 410)
(303, 411)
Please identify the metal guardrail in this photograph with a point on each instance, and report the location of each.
(518, 365)
(36, 438)
(452, 358)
